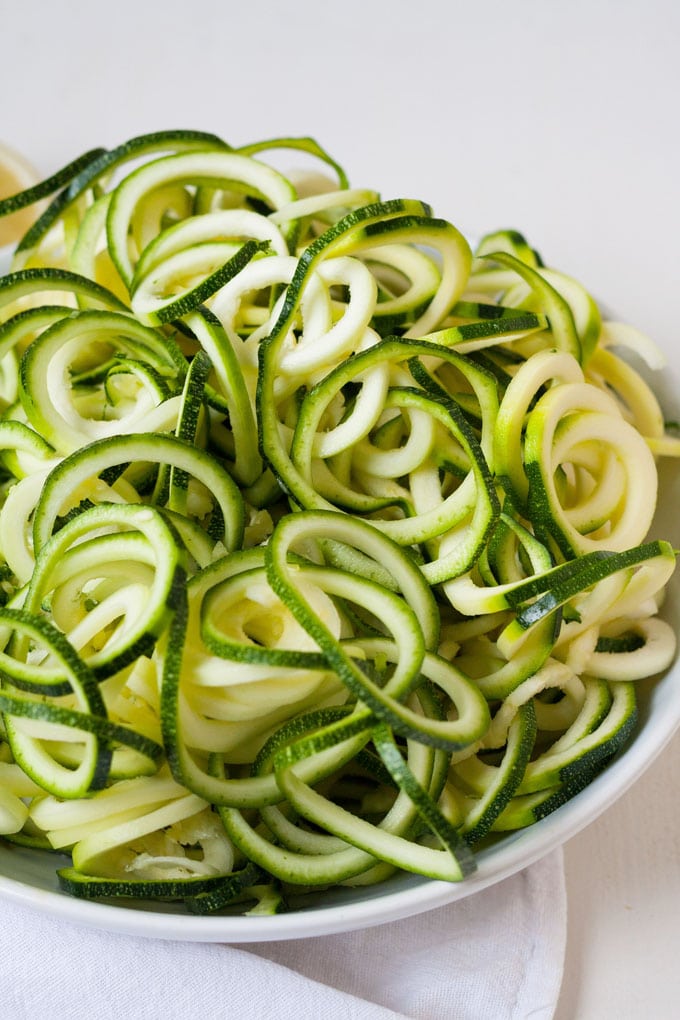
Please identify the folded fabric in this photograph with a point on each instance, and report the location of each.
(495, 955)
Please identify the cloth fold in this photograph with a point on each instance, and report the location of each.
(495, 955)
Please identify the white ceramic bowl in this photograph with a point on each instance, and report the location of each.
(28, 877)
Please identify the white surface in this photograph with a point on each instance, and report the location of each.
(560, 120)
(623, 881)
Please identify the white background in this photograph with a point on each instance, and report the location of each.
(557, 119)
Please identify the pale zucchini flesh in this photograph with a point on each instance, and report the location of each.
(324, 543)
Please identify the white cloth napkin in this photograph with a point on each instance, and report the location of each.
(496, 955)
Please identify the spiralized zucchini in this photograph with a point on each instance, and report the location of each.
(323, 537)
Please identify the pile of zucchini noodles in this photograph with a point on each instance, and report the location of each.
(323, 539)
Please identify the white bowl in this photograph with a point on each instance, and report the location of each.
(28, 876)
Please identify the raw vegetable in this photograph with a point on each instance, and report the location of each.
(324, 539)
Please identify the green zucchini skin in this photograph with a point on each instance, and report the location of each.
(324, 545)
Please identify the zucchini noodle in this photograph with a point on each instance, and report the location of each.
(324, 543)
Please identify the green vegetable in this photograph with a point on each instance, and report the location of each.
(323, 538)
